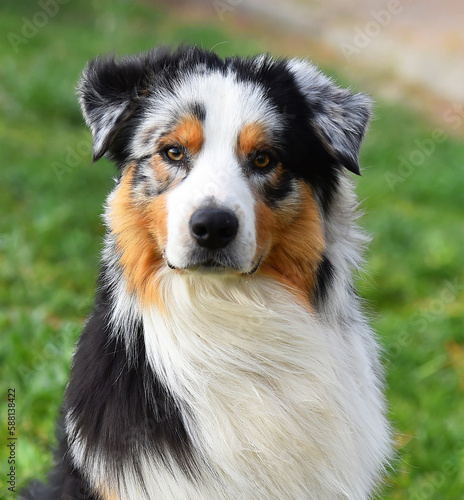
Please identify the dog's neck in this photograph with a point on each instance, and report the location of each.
(234, 351)
(227, 323)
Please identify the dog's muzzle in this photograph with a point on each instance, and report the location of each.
(215, 243)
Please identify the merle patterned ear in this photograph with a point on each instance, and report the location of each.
(108, 91)
(339, 117)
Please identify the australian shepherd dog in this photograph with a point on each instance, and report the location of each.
(227, 357)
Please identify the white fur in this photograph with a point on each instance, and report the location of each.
(278, 405)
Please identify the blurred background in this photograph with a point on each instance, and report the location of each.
(408, 54)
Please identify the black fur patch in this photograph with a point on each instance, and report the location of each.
(198, 110)
(140, 176)
(117, 404)
(274, 193)
(324, 279)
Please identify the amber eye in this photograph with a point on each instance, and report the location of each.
(175, 154)
(261, 160)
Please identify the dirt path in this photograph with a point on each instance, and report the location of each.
(407, 50)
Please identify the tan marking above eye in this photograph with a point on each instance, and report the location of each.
(187, 134)
(252, 138)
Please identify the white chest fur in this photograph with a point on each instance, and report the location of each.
(277, 404)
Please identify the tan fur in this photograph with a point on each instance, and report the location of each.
(107, 494)
(292, 249)
(187, 133)
(140, 232)
(252, 137)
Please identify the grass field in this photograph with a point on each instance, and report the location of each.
(50, 236)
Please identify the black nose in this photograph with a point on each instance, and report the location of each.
(213, 228)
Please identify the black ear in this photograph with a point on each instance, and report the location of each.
(339, 117)
(109, 91)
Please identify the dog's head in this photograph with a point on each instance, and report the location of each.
(225, 165)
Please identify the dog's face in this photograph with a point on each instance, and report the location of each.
(226, 166)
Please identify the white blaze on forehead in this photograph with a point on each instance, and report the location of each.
(229, 104)
(217, 176)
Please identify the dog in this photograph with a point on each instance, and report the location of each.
(227, 355)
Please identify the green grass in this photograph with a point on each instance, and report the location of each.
(50, 237)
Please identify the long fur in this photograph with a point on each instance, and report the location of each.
(242, 372)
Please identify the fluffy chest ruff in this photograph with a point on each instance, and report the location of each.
(269, 401)
(276, 404)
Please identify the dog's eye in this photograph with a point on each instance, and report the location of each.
(262, 160)
(174, 153)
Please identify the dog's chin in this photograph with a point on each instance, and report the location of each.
(216, 267)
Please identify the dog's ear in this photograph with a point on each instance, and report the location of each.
(108, 94)
(339, 117)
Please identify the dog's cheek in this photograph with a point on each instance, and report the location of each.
(157, 214)
(297, 245)
(265, 226)
(162, 174)
(140, 250)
